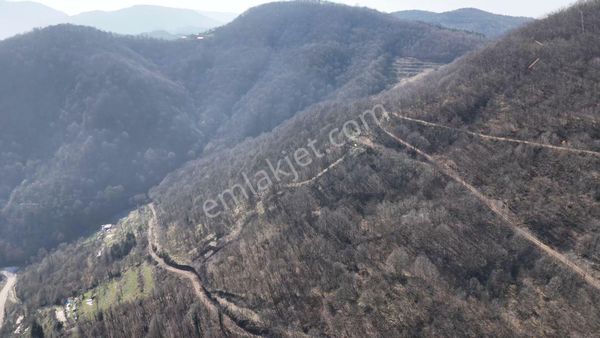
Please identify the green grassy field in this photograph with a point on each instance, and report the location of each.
(135, 283)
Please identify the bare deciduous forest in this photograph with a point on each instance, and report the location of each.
(113, 115)
(384, 243)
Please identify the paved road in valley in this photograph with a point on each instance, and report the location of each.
(11, 281)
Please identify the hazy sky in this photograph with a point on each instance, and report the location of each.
(535, 8)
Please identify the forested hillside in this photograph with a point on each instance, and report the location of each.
(462, 202)
(89, 121)
(486, 226)
(468, 19)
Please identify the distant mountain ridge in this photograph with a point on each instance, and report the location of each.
(22, 17)
(469, 19)
(142, 19)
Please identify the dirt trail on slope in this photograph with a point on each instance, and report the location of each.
(225, 313)
(154, 247)
(497, 138)
(11, 281)
(510, 218)
(316, 177)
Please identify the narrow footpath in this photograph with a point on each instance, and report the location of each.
(497, 138)
(317, 176)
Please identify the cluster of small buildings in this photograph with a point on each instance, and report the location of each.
(20, 326)
(193, 37)
(71, 308)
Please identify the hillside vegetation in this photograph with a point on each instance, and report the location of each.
(90, 121)
(385, 234)
(464, 202)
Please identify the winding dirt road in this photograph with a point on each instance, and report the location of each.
(154, 247)
(497, 138)
(505, 214)
(11, 281)
(239, 321)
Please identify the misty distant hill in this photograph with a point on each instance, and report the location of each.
(21, 17)
(469, 19)
(141, 19)
(153, 21)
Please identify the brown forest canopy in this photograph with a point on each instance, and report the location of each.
(383, 243)
(90, 121)
(384, 235)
